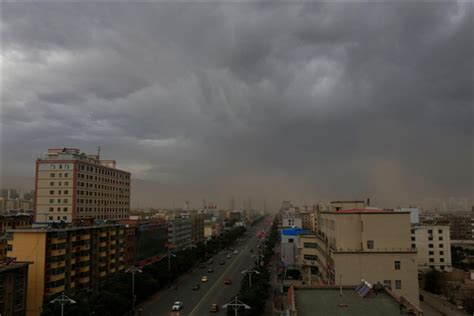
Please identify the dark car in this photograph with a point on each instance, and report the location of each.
(210, 270)
(196, 287)
(227, 281)
(222, 262)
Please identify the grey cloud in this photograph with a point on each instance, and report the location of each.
(292, 100)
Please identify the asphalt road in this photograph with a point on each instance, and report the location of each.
(198, 303)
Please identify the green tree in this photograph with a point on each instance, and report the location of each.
(433, 282)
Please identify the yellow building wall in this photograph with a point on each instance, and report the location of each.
(351, 268)
(31, 247)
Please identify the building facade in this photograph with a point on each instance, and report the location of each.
(289, 244)
(15, 221)
(13, 288)
(460, 227)
(433, 245)
(179, 232)
(368, 244)
(69, 259)
(71, 186)
(291, 220)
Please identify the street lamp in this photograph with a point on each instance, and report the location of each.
(249, 272)
(63, 300)
(169, 264)
(133, 270)
(235, 304)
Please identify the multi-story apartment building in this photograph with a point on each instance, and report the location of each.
(368, 244)
(179, 232)
(460, 227)
(305, 220)
(68, 259)
(13, 288)
(313, 217)
(289, 244)
(197, 225)
(433, 245)
(71, 186)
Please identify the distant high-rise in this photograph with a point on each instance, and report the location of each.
(71, 186)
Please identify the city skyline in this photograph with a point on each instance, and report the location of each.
(304, 102)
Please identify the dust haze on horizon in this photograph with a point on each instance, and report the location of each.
(289, 101)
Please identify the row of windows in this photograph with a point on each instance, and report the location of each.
(441, 253)
(101, 202)
(51, 218)
(52, 183)
(440, 238)
(59, 192)
(102, 194)
(101, 209)
(104, 171)
(60, 175)
(65, 209)
(101, 186)
(51, 201)
(101, 179)
(398, 284)
(431, 245)
(440, 260)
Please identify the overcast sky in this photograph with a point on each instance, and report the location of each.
(307, 102)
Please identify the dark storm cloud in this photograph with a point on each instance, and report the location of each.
(305, 101)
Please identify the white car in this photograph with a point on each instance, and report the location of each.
(177, 306)
(236, 251)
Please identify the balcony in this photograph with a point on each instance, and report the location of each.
(86, 237)
(84, 280)
(54, 290)
(84, 269)
(56, 277)
(85, 258)
(58, 240)
(58, 252)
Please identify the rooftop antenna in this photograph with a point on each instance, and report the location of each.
(98, 152)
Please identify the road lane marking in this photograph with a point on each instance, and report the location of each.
(218, 282)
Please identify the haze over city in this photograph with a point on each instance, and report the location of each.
(298, 101)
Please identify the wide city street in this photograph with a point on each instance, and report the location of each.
(214, 291)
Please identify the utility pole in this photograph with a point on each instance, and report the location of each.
(169, 264)
(235, 304)
(133, 270)
(249, 272)
(63, 300)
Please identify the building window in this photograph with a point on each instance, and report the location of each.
(51, 191)
(441, 259)
(370, 244)
(290, 240)
(64, 209)
(430, 238)
(442, 268)
(50, 218)
(66, 192)
(387, 283)
(413, 246)
(397, 265)
(440, 238)
(430, 246)
(431, 259)
(65, 217)
(51, 184)
(441, 245)
(51, 209)
(51, 200)
(441, 253)
(65, 200)
(431, 253)
(430, 231)
(66, 175)
(52, 175)
(398, 284)
(412, 238)
(66, 183)
(440, 231)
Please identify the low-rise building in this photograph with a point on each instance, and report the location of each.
(15, 221)
(290, 220)
(289, 244)
(433, 245)
(69, 259)
(368, 244)
(13, 288)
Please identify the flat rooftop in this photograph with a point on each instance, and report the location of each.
(310, 302)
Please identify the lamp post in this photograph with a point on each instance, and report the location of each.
(235, 304)
(249, 272)
(63, 300)
(169, 264)
(133, 270)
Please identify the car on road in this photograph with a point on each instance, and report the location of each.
(236, 251)
(227, 281)
(214, 308)
(204, 279)
(228, 256)
(196, 287)
(177, 306)
(222, 262)
(210, 270)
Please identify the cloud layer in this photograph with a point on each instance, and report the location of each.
(303, 101)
